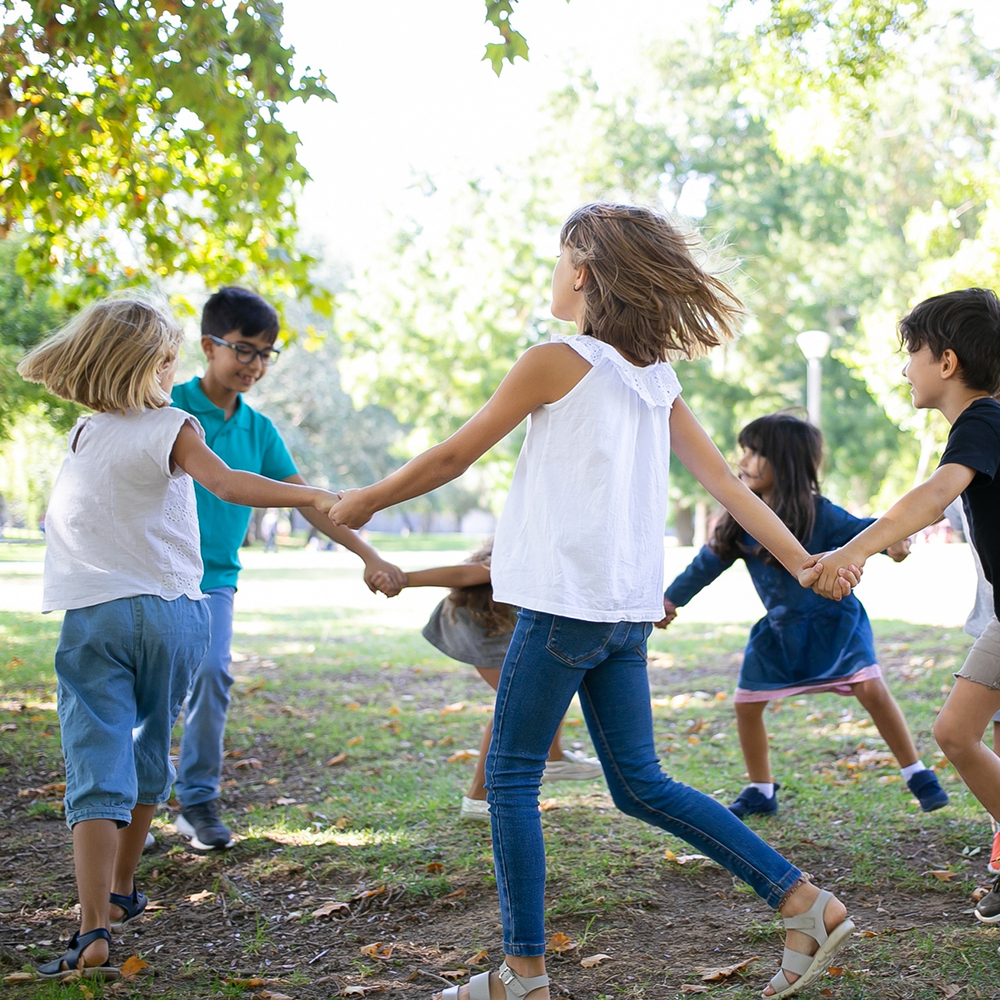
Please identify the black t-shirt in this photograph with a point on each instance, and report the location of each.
(974, 442)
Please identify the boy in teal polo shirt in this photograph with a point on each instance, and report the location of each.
(238, 331)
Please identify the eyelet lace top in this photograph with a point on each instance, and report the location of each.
(656, 384)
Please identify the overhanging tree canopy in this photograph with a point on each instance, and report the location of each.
(140, 138)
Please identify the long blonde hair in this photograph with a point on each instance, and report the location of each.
(646, 294)
(109, 356)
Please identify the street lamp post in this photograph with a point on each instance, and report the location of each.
(813, 344)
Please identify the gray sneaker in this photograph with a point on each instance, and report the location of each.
(574, 766)
(988, 908)
(201, 823)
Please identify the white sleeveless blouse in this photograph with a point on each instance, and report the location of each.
(581, 533)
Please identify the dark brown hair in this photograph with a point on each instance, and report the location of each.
(967, 322)
(645, 292)
(478, 601)
(794, 449)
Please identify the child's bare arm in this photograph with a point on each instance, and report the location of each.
(541, 375)
(191, 454)
(923, 505)
(462, 575)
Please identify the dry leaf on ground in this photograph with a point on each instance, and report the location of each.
(377, 950)
(132, 966)
(943, 876)
(251, 763)
(334, 906)
(592, 960)
(724, 972)
(560, 942)
(336, 759)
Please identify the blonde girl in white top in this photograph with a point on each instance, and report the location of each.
(579, 548)
(122, 559)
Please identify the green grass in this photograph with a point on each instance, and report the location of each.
(315, 683)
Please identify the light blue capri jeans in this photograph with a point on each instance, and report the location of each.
(123, 669)
(549, 660)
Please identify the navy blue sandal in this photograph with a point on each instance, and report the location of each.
(71, 963)
(134, 906)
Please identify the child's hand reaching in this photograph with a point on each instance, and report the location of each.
(898, 551)
(839, 572)
(669, 614)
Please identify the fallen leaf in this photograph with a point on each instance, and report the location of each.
(8, 727)
(454, 973)
(592, 960)
(546, 805)
(248, 764)
(132, 966)
(354, 991)
(20, 977)
(355, 740)
(560, 942)
(724, 972)
(255, 687)
(434, 867)
(950, 991)
(244, 982)
(377, 950)
(480, 956)
(283, 800)
(457, 894)
(943, 876)
(337, 759)
(271, 995)
(835, 971)
(370, 892)
(200, 897)
(455, 706)
(334, 906)
(462, 755)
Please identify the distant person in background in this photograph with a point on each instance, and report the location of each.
(269, 529)
(804, 644)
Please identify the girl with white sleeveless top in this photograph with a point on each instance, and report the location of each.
(122, 560)
(579, 548)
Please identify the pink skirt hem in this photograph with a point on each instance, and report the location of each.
(842, 685)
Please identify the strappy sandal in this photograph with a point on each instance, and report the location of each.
(134, 906)
(515, 986)
(809, 967)
(71, 963)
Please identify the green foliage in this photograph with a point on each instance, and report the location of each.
(512, 44)
(141, 138)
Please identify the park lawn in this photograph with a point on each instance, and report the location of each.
(347, 752)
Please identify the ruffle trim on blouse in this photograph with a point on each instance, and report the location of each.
(656, 384)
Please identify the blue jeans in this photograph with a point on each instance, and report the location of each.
(549, 660)
(199, 769)
(123, 669)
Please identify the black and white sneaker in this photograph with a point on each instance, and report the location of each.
(988, 908)
(201, 823)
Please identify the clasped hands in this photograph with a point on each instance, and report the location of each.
(832, 574)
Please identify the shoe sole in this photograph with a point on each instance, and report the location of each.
(987, 920)
(185, 829)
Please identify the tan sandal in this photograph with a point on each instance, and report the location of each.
(809, 967)
(515, 987)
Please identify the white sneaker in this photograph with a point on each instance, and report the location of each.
(573, 767)
(477, 810)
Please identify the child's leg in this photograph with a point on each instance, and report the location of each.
(128, 849)
(958, 730)
(753, 740)
(879, 703)
(94, 843)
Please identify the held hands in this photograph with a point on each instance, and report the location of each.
(352, 508)
(669, 614)
(324, 501)
(385, 578)
(832, 574)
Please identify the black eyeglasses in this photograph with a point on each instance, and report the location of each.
(245, 353)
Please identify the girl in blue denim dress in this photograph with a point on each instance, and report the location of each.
(579, 549)
(804, 644)
(122, 560)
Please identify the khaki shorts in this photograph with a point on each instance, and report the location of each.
(983, 662)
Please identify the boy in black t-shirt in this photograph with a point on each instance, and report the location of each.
(953, 342)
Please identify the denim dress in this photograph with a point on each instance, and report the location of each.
(804, 639)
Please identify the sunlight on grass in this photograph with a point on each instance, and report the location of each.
(340, 838)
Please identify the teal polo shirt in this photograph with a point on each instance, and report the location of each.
(246, 441)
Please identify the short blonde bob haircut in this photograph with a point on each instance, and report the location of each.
(645, 292)
(109, 356)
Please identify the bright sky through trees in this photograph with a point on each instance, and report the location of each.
(415, 99)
